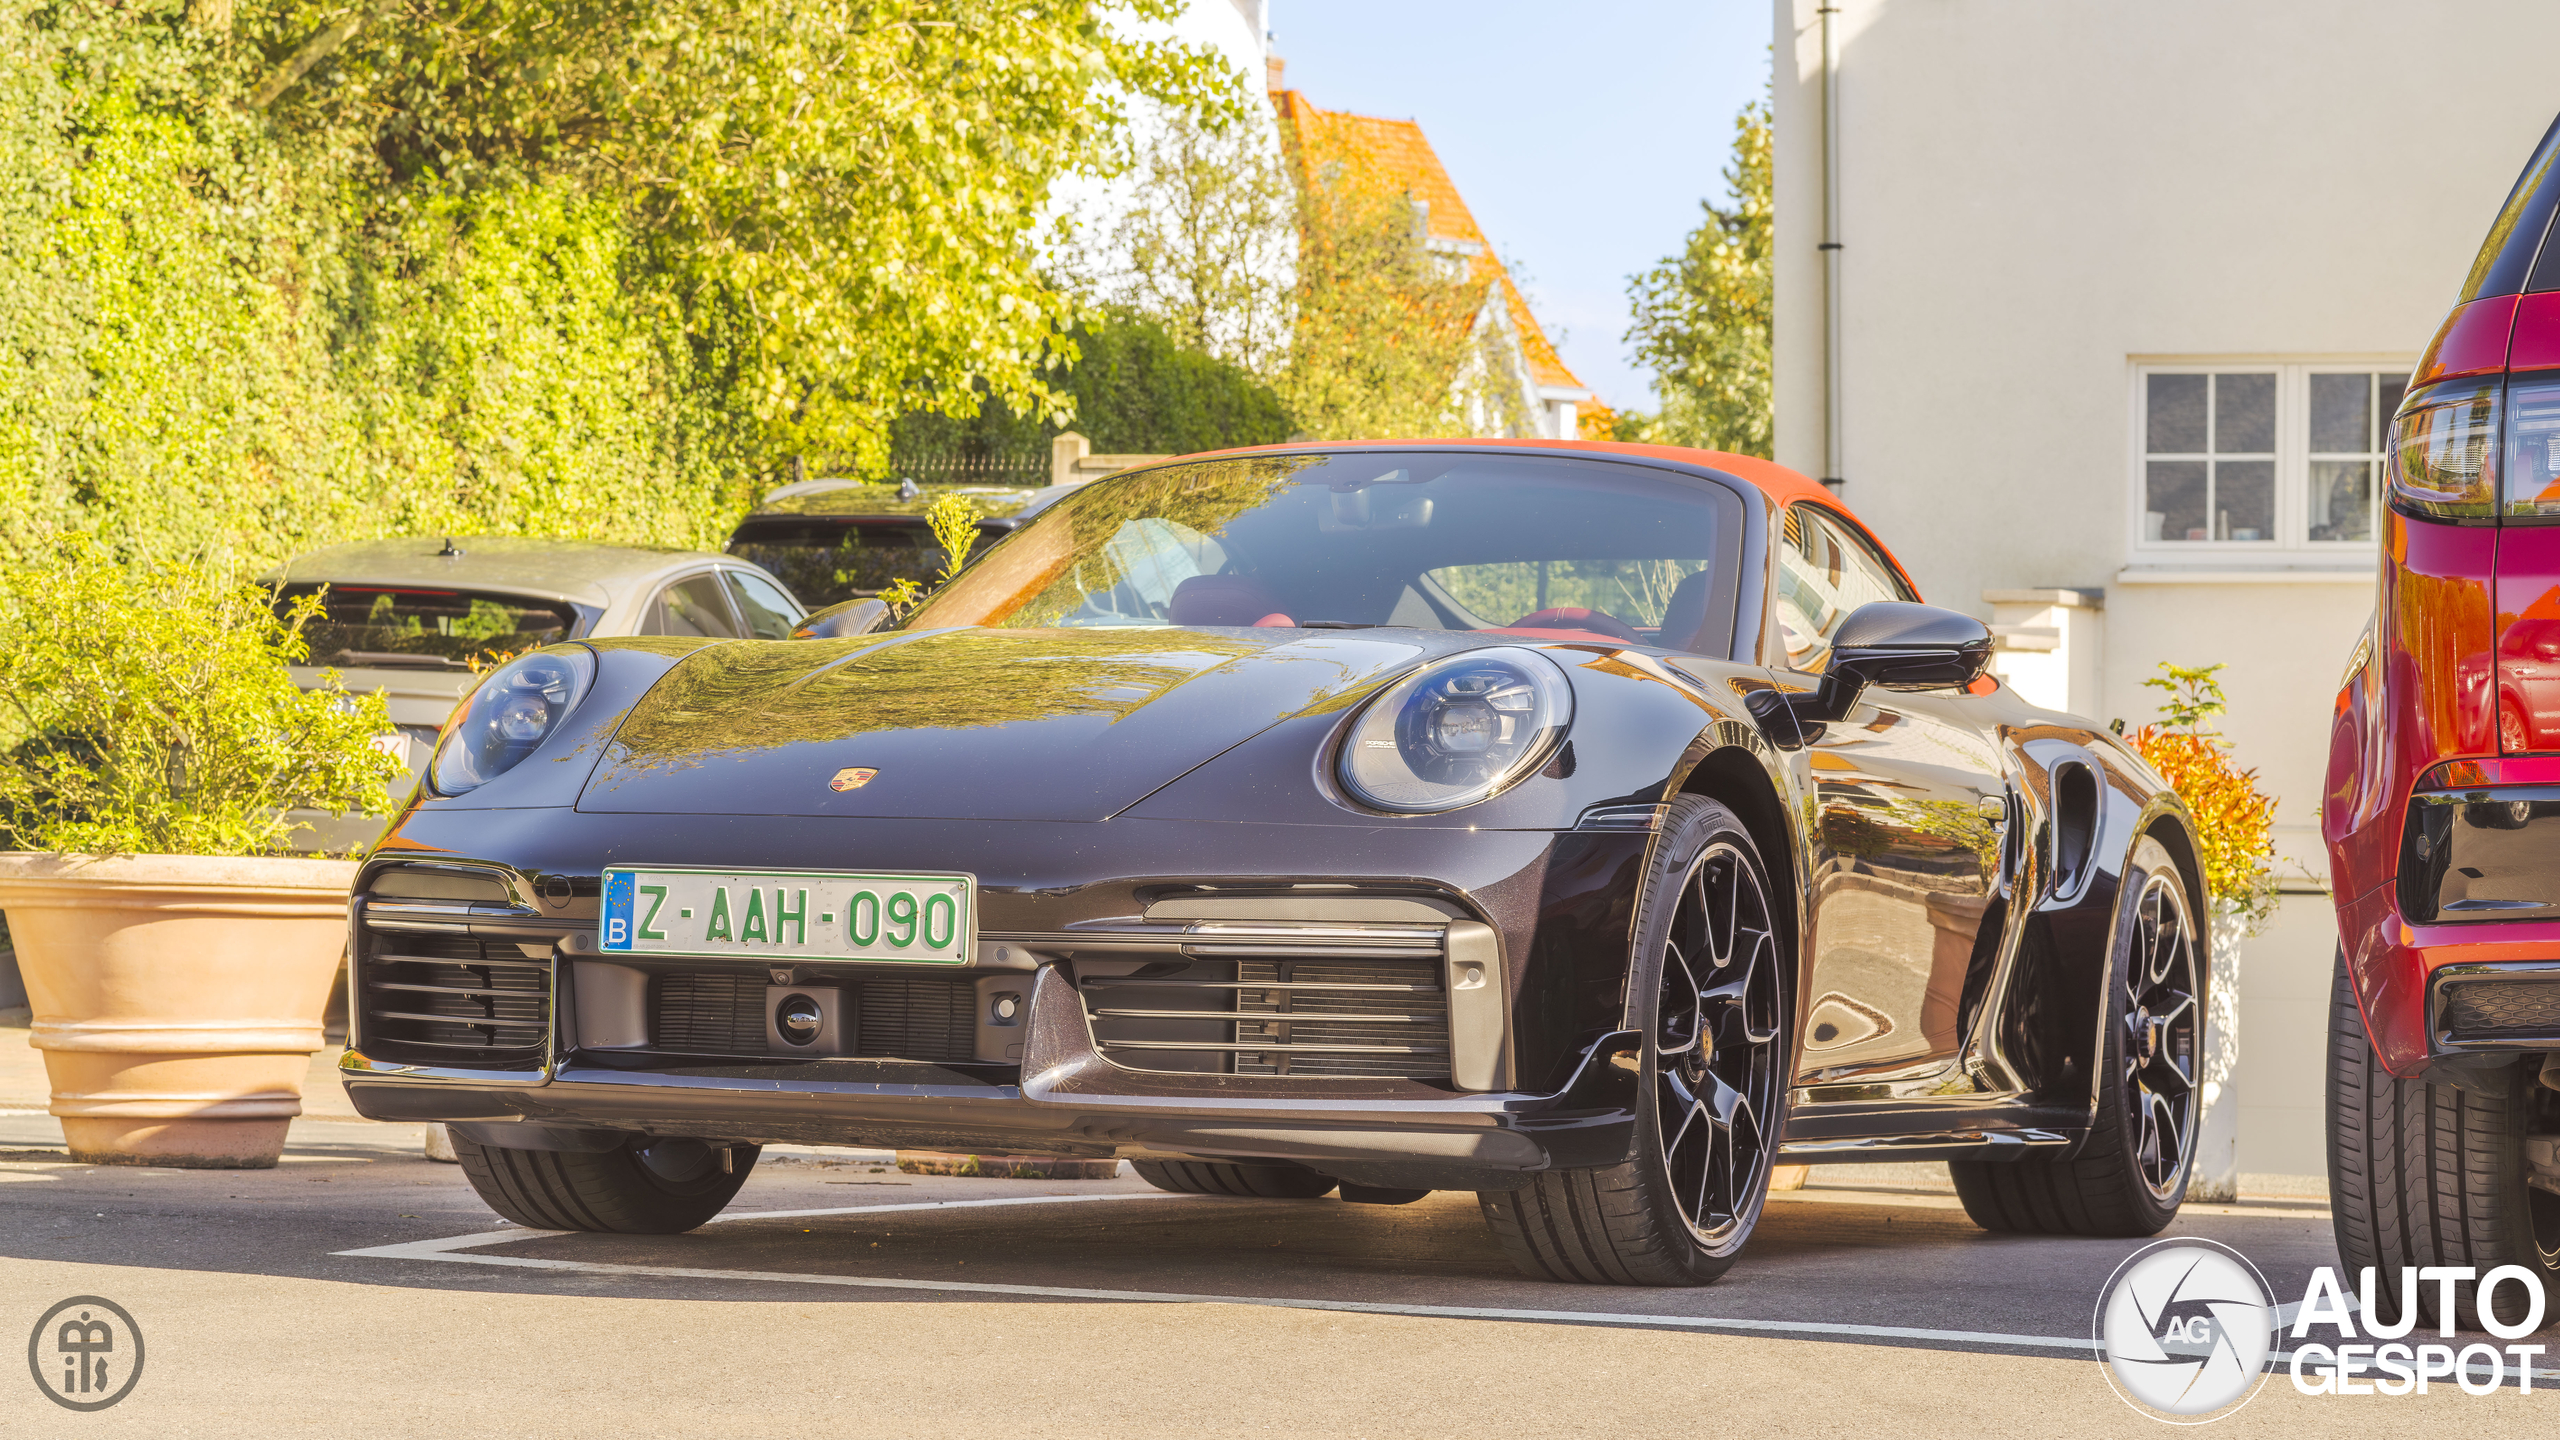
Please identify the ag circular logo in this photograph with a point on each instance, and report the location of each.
(85, 1353)
(2185, 1327)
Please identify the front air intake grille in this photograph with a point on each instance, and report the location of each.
(896, 1017)
(707, 1012)
(453, 1000)
(1281, 1016)
(2500, 1009)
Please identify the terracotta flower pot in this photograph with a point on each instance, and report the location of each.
(177, 998)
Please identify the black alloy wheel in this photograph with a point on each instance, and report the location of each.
(1715, 1064)
(1711, 992)
(2162, 1035)
(2130, 1175)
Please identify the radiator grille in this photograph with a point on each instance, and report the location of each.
(2500, 1009)
(457, 1000)
(1278, 1016)
(896, 1017)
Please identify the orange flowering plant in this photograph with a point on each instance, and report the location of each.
(2234, 818)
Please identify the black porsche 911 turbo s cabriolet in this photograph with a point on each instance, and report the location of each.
(1593, 827)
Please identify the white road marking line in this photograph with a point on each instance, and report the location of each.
(436, 1249)
(446, 1249)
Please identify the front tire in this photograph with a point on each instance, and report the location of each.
(2131, 1174)
(1218, 1177)
(653, 1186)
(2424, 1175)
(1712, 990)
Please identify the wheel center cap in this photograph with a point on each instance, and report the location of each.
(1698, 1058)
(2150, 1036)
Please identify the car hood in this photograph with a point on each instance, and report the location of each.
(970, 724)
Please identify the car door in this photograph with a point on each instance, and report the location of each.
(695, 604)
(1909, 797)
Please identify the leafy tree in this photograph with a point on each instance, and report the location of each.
(1702, 317)
(1203, 242)
(281, 272)
(1135, 390)
(1384, 327)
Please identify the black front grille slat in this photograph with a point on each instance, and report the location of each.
(1331, 1015)
(930, 1018)
(453, 999)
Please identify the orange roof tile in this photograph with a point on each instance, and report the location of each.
(1404, 156)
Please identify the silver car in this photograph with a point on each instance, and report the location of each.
(410, 617)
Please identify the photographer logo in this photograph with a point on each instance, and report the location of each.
(86, 1353)
(2186, 1327)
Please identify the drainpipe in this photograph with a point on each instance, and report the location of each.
(1831, 427)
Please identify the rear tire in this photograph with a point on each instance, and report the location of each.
(2131, 1174)
(664, 1187)
(1219, 1177)
(2425, 1174)
(1712, 989)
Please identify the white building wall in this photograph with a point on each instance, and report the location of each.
(2034, 198)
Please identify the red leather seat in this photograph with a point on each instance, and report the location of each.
(1574, 617)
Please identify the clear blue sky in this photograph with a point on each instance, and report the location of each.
(1583, 137)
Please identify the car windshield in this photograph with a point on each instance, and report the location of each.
(1439, 540)
(376, 626)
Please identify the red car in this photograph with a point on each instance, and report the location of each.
(2442, 804)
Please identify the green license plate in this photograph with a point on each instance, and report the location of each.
(789, 914)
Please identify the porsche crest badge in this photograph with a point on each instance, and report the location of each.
(851, 779)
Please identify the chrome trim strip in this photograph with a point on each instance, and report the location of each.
(355, 1064)
(1276, 1047)
(1893, 1147)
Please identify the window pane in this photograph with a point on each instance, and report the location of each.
(2342, 415)
(2173, 503)
(1824, 576)
(2244, 499)
(2385, 406)
(2175, 424)
(2341, 496)
(692, 607)
(2244, 414)
(378, 626)
(770, 614)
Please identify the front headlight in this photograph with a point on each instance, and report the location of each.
(509, 716)
(1454, 732)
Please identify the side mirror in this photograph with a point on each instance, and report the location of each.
(1890, 643)
(841, 622)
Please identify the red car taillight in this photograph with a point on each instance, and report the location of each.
(2444, 449)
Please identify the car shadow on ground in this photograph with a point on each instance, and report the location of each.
(1843, 1255)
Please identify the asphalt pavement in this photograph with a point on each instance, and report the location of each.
(360, 1287)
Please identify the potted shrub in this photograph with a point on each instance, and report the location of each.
(177, 963)
(2234, 829)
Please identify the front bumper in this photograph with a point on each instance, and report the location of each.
(1070, 1100)
(1539, 1076)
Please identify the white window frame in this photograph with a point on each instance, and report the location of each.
(2292, 461)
